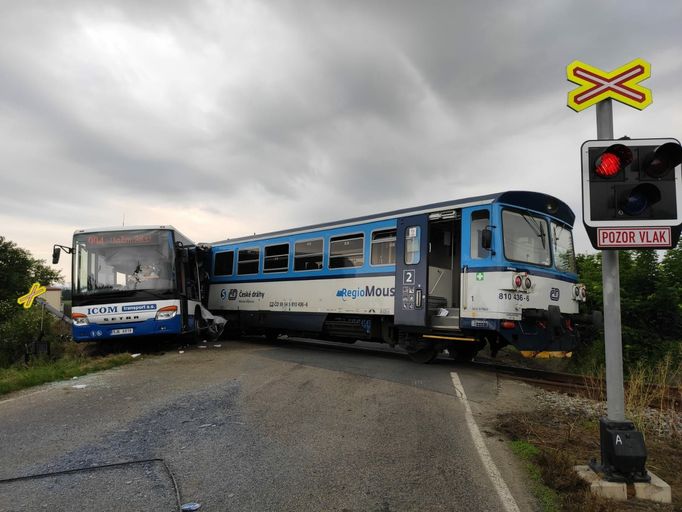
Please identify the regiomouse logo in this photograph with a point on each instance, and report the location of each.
(367, 291)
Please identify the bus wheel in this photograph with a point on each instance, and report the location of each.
(423, 355)
(199, 326)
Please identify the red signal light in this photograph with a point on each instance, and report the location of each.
(611, 161)
(607, 165)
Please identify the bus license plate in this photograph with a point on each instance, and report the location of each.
(121, 331)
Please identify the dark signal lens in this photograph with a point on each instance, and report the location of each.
(663, 159)
(640, 198)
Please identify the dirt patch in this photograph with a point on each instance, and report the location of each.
(565, 439)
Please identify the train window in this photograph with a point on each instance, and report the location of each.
(383, 247)
(479, 221)
(247, 261)
(347, 251)
(412, 245)
(308, 255)
(562, 245)
(276, 258)
(223, 263)
(525, 238)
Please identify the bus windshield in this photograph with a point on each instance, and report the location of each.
(123, 261)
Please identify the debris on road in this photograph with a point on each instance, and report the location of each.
(190, 507)
(135, 355)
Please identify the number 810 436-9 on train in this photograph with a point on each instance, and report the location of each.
(497, 269)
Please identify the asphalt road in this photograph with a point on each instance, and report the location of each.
(250, 426)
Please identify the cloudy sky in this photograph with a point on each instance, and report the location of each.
(226, 118)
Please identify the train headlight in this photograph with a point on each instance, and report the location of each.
(518, 281)
(79, 319)
(166, 313)
(579, 292)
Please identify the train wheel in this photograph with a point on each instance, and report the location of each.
(424, 355)
(271, 335)
(463, 355)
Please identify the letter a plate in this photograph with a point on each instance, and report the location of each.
(631, 238)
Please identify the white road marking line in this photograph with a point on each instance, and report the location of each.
(498, 482)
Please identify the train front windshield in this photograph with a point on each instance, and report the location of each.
(529, 238)
(123, 263)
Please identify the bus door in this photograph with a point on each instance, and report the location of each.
(412, 267)
(188, 281)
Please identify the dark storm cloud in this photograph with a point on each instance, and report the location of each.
(301, 111)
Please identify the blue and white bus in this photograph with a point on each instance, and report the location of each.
(135, 281)
(497, 269)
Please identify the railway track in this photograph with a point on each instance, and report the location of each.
(590, 387)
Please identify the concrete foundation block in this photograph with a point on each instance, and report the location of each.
(610, 490)
(656, 490)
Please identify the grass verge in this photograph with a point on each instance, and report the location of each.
(40, 372)
(553, 441)
(547, 498)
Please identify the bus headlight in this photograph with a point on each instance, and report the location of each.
(79, 319)
(166, 313)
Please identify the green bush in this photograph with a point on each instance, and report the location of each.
(651, 307)
(22, 328)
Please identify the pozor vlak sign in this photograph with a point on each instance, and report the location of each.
(632, 193)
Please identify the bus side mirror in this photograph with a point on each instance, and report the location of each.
(55, 255)
(487, 239)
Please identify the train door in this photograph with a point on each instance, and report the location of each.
(411, 278)
(443, 271)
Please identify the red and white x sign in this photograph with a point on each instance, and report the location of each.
(619, 84)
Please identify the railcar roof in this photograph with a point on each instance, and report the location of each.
(531, 200)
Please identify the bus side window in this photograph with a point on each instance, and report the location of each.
(480, 220)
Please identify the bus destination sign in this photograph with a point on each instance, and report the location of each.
(114, 239)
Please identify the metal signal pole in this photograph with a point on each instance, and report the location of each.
(615, 393)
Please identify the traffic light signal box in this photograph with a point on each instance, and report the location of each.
(632, 192)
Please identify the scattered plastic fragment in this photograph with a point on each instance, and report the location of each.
(202, 346)
(79, 386)
(217, 346)
(203, 341)
(231, 495)
(190, 507)
(181, 351)
(135, 355)
(74, 378)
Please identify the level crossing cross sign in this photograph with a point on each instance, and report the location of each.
(620, 84)
(27, 300)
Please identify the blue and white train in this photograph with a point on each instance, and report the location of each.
(497, 269)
